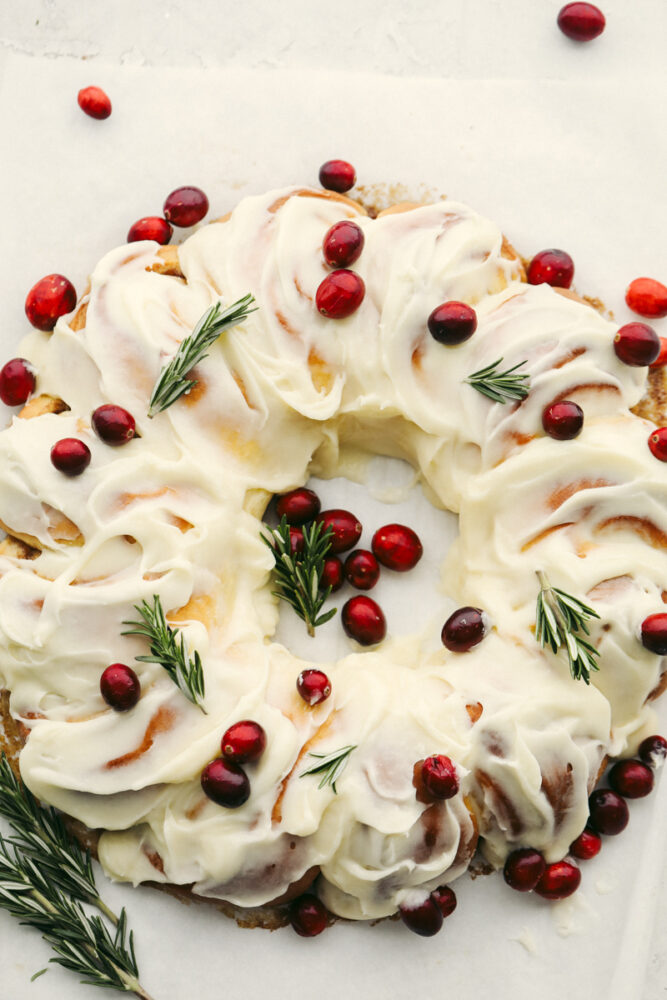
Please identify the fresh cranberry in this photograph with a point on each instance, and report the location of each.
(296, 540)
(559, 880)
(563, 420)
(308, 916)
(120, 687)
(439, 777)
(452, 323)
(17, 382)
(226, 783)
(654, 633)
(343, 244)
(463, 629)
(70, 456)
(647, 297)
(653, 750)
(185, 206)
(424, 918)
(582, 22)
(298, 506)
(397, 547)
(586, 846)
(524, 868)
(361, 569)
(333, 574)
(314, 686)
(609, 812)
(94, 102)
(657, 442)
(244, 742)
(51, 297)
(346, 529)
(363, 620)
(113, 424)
(551, 267)
(637, 344)
(153, 227)
(340, 294)
(337, 175)
(445, 900)
(662, 357)
(631, 779)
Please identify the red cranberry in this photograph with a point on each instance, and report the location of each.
(631, 779)
(397, 547)
(559, 880)
(551, 267)
(637, 344)
(363, 620)
(337, 175)
(445, 900)
(346, 529)
(308, 916)
(120, 687)
(185, 206)
(343, 244)
(653, 750)
(17, 382)
(333, 574)
(298, 506)
(662, 357)
(609, 812)
(51, 297)
(452, 323)
(563, 420)
(582, 22)
(647, 297)
(314, 686)
(226, 783)
(243, 742)
(153, 227)
(113, 424)
(361, 569)
(463, 629)
(296, 540)
(94, 102)
(340, 294)
(586, 846)
(654, 633)
(71, 456)
(424, 918)
(657, 442)
(439, 777)
(524, 868)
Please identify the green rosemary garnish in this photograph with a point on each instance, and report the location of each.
(173, 381)
(500, 386)
(559, 618)
(331, 766)
(41, 868)
(186, 674)
(298, 575)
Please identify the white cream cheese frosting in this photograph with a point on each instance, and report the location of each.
(175, 513)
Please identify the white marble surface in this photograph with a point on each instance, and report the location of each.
(591, 151)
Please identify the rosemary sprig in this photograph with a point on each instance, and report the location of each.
(500, 386)
(187, 674)
(558, 620)
(173, 382)
(331, 766)
(40, 833)
(82, 943)
(298, 576)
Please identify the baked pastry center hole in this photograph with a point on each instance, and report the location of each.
(415, 603)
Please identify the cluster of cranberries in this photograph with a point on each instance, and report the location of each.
(394, 546)
(224, 780)
(526, 870)
(185, 206)
(341, 293)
